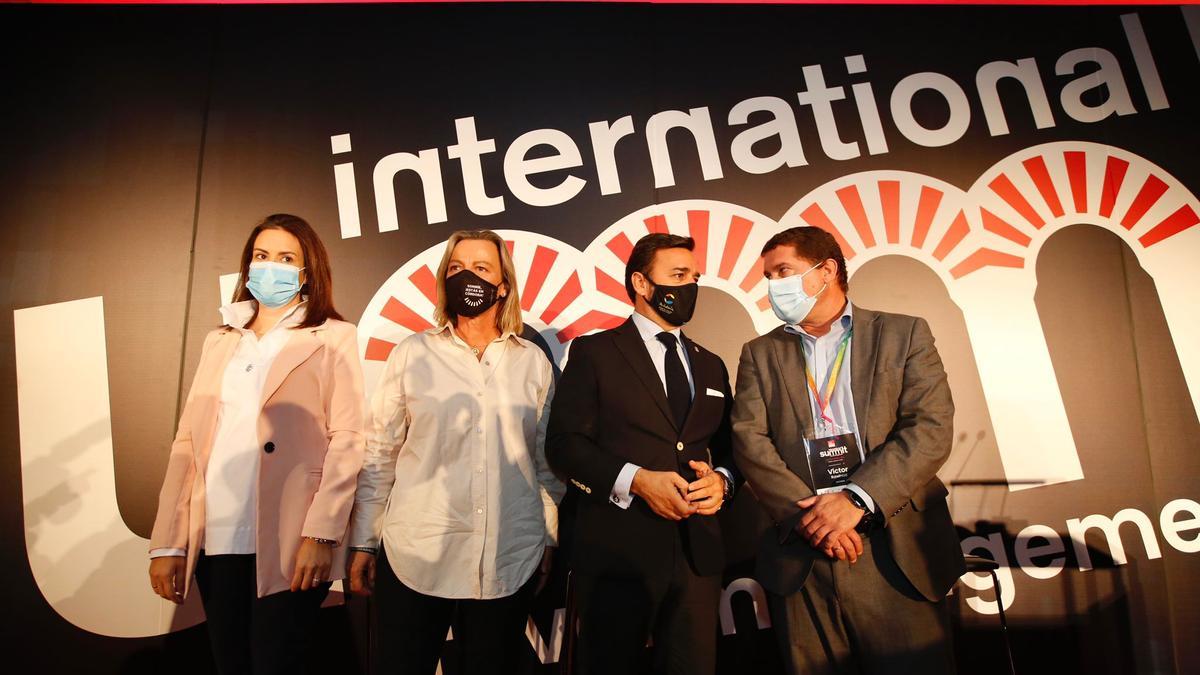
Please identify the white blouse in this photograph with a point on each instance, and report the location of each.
(231, 479)
(455, 481)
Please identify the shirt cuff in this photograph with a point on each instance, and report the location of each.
(728, 480)
(862, 493)
(165, 552)
(620, 491)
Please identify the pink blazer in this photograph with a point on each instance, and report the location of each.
(311, 419)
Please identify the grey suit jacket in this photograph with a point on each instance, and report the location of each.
(905, 421)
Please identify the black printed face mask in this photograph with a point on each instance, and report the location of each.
(675, 304)
(469, 295)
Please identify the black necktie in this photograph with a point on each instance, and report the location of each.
(679, 395)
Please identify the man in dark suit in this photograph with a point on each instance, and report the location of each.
(864, 550)
(640, 426)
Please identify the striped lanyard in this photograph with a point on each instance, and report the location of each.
(831, 378)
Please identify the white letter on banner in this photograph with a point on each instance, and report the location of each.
(699, 124)
(347, 191)
(518, 167)
(902, 112)
(426, 165)
(86, 562)
(781, 124)
(1024, 71)
(467, 151)
(1111, 527)
(1172, 528)
(1108, 76)
(993, 544)
(604, 145)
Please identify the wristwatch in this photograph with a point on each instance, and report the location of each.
(727, 483)
(867, 522)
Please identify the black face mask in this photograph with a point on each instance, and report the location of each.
(675, 304)
(469, 295)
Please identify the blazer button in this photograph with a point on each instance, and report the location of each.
(679, 446)
(269, 447)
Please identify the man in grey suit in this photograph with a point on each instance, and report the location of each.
(841, 420)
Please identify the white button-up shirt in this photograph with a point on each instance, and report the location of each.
(231, 479)
(649, 331)
(455, 481)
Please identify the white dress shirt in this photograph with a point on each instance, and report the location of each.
(231, 480)
(455, 481)
(621, 496)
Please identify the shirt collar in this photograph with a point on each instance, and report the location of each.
(845, 320)
(445, 331)
(650, 330)
(238, 314)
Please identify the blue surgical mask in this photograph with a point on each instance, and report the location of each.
(788, 299)
(273, 284)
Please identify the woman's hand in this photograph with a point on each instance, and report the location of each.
(166, 577)
(314, 561)
(544, 568)
(360, 569)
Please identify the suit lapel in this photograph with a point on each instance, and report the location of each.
(788, 352)
(302, 343)
(630, 343)
(209, 396)
(862, 366)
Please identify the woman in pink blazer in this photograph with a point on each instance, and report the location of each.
(261, 477)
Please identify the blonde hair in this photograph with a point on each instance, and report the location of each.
(508, 318)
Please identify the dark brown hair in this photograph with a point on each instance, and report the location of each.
(642, 256)
(814, 245)
(318, 284)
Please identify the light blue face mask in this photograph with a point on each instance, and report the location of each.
(273, 284)
(788, 299)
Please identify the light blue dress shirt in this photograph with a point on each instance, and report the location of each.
(819, 353)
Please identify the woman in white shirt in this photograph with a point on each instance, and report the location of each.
(455, 497)
(261, 477)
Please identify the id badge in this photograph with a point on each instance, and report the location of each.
(831, 460)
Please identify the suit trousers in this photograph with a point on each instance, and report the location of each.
(411, 627)
(864, 618)
(618, 614)
(251, 635)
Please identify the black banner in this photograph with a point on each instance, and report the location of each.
(1023, 177)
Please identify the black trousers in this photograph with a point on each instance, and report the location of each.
(411, 627)
(619, 614)
(252, 635)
